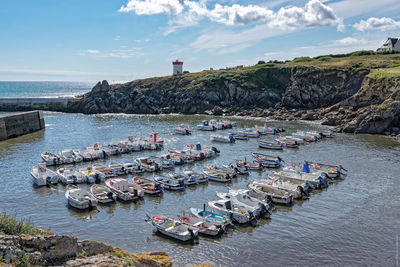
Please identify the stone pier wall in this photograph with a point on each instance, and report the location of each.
(20, 124)
(34, 103)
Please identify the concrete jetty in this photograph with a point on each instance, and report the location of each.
(34, 103)
(20, 124)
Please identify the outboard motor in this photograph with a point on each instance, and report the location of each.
(75, 179)
(157, 186)
(135, 191)
(181, 182)
(190, 230)
(252, 218)
(110, 195)
(215, 150)
(48, 180)
(264, 209)
(322, 182)
(302, 191)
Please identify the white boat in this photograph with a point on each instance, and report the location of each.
(287, 142)
(222, 138)
(102, 169)
(133, 167)
(69, 157)
(332, 171)
(174, 228)
(182, 129)
(170, 183)
(266, 130)
(50, 159)
(79, 198)
(102, 194)
(69, 175)
(274, 195)
(149, 186)
(206, 126)
(149, 164)
(117, 168)
(43, 176)
(210, 216)
(300, 141)
(252, 133)
(296, 190)
(92, 176)
(305, 136)
(237, 211)
(205, 227)
(267, 161)
(125, 190)
(199, 177)
(315, 180)
(270, 145)
(242, 196)
(240, 135)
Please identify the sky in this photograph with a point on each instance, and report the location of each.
(123, 40)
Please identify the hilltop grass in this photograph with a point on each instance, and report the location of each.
(12, 226)
(385, 73)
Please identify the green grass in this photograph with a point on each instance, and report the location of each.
(12, 226)
(384, 73)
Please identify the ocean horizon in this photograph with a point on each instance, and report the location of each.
(23, 89)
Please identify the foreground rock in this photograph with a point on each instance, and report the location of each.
(65, 250)
(350, 100)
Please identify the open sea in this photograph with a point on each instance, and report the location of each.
(353, 222)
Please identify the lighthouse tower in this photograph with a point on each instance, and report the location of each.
(178, 67)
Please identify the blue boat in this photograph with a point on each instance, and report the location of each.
(210, 216)
(170, 183)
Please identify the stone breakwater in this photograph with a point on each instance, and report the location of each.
(52, 249)
(351, 101)
(20, 124)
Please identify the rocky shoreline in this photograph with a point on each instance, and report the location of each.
(24, 245)
(352, 101)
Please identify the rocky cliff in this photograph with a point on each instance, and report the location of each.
(342, 94)
(24, 245)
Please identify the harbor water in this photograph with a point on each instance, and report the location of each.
(354, 222)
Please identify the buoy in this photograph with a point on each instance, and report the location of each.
(293, 164)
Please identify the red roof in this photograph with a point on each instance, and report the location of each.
(177, 63)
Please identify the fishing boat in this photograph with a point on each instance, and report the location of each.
(189, 180)
(182, 129)
(275, 195)
(267, 161)
(238, 212)
(210, 216)
(103, 169)
(174, 228)
(239, 169)
(305, 136)
(222, 138)
(287, 142)
(69, 175)
(228, 169)
(217, 176)
(199, 177)
(133, 167)
(205, 227)
(252, 166)
(149, 164)
(333, 171)
(315, 180)
(103, 194)
(296, 190)
(149, 187)
(266, 130)
(299, 141)
(270, 145)
(170, 183)
(95, 152)
(79, 198)
(328, 134)
(86, 156)
(240, 135)
(242, 196)
(252, 133)
(90, 175)
(164, 163)
(43, 176)
(117, 168)
(50, 159)
(69, 157)
(124, 190)
(205, 126)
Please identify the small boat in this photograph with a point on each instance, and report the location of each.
(102, 194)
(102, 169)
(273, 195)
(240, 169)
(315, 180)
(117, 168)
(133, 167)
(68, 156)
(210, 216)
(43, 176)
(85, 155)
(240, 135)
(296, 190)
(217, 176)
(228, 169)
(170, 183)
(252, 166)
(174, 228)
(222, 138)
(332, 171)
(79, 198)
(328, 134)
(267, 161)
(266, 130)
(238, 212)
(182, 129)
(252, 133)
(164, 163)
(189, 180)
(305, 136)
(149, 187)
(149, 164)
(287, 143)
(69, 175)
(199, 177)
(92, 176)
(50, 159)
(270, 145)
(205, 126)
(125, 190)
(205, 227)
(299, 141)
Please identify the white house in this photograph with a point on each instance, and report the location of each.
(392, 44)
(177, 67)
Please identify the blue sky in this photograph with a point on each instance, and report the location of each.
(122, 40)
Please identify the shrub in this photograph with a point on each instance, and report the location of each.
(260, 62)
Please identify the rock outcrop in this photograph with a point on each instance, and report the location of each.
(348, 99)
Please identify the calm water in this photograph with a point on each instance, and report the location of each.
(353, 222)
(43, 89)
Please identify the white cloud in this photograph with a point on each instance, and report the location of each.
(353, 8)
(185, 13)
(125, 53)
(373, 23)
(93, 51)
(117, 38)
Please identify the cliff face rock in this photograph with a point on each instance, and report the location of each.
(350, 100)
